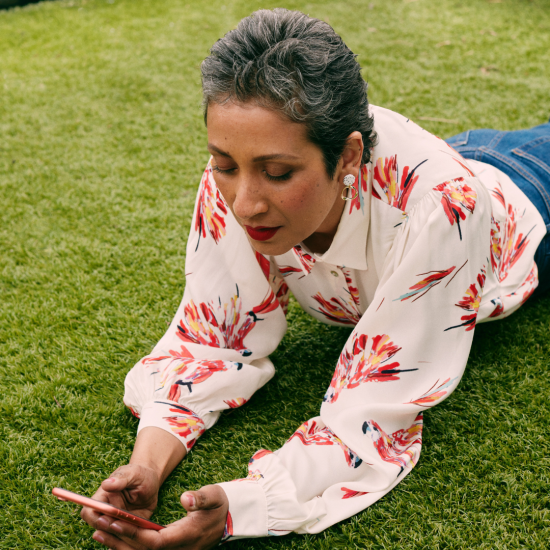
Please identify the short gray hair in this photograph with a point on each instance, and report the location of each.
(299, 66)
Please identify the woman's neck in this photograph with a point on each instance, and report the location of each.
(320, 241)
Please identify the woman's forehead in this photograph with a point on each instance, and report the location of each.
(262, 132)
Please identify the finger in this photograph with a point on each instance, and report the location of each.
(89, 516)
(120, 479)
(207, 498)
(100, 522)
(179, 534)
(117, 528)
(115, 543)
(133, 535)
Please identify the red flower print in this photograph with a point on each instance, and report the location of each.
(396, 189)
(435, 393)
(185, 423)
(307, 261)
(183, 353)
(530, 284)
(354, 369)
(350, 493)
(431, 279)
(196, 371)
(228, 530)
(512, 247)
(235, 403)
(471, 302)
(499, 307)
(527, 287)
(211, 209)
(497, 193)
(506, 247)
(496, 250)
(353, 291)
(147, 360)
(287, 270)
(401, 448)
(283, 295)
(337, 310)
(264, 264)
(470, 173)
(376, 367)
(309, 433)
(253, 475)
(259, 454)
(222, 325)
(134, 412)
(457, 197)
(455, 152)
(360, 186)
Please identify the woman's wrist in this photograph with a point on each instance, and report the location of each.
(159, 451)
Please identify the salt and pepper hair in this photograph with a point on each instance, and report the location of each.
(298, 65)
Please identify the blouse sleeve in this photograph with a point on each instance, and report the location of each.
(406, 354)
(214, 355)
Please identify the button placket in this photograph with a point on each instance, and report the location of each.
(337, 280)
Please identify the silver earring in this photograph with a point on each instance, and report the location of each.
(349, 180)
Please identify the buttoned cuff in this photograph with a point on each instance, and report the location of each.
(247, 515)
(174, 418)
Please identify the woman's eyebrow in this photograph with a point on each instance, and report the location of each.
(274, 156)
(213, 148)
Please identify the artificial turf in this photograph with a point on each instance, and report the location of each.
(102, 145)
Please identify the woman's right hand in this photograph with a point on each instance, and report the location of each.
(133, 487)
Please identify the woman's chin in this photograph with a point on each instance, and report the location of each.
(273, 247)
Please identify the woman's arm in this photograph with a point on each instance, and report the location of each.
(406, 354)
(158, 450)
(213, 356)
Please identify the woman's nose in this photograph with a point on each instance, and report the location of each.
(249, 200)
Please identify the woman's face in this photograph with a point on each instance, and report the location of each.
(273, 178)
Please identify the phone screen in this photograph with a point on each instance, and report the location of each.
(107, 509)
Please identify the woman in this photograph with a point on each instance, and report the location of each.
(371, 222)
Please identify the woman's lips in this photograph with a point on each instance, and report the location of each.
(261, 233)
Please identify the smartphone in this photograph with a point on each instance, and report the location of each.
(107, 509)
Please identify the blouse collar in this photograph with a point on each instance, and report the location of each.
(349, 246)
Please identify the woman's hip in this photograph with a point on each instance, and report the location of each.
(523, 155)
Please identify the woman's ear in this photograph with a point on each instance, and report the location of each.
(352, 154)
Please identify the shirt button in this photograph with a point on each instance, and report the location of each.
(334, 273)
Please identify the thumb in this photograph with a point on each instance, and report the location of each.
(207, 498)
(119, 480)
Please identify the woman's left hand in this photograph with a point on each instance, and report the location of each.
(202, 528)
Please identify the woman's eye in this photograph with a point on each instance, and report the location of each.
(283, 177)
(222, 171)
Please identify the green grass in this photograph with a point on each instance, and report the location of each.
(101, 148)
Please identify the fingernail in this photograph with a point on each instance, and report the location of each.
(191, 501)
(116, 527)
(111, 480)
(98, 538)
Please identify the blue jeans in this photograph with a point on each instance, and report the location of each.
(524, 155)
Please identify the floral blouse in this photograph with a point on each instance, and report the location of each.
(431, 245)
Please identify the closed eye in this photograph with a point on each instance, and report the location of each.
(283, 177)
(220, 171)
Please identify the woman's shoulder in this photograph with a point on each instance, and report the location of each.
(408, 162)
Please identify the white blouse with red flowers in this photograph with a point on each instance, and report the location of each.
(432, 244)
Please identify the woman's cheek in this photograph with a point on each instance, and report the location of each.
(305, 205)
(300, 199)
(227, 193)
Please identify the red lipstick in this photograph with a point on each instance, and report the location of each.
(261, 233)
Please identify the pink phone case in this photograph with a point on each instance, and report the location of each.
(107, 509)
